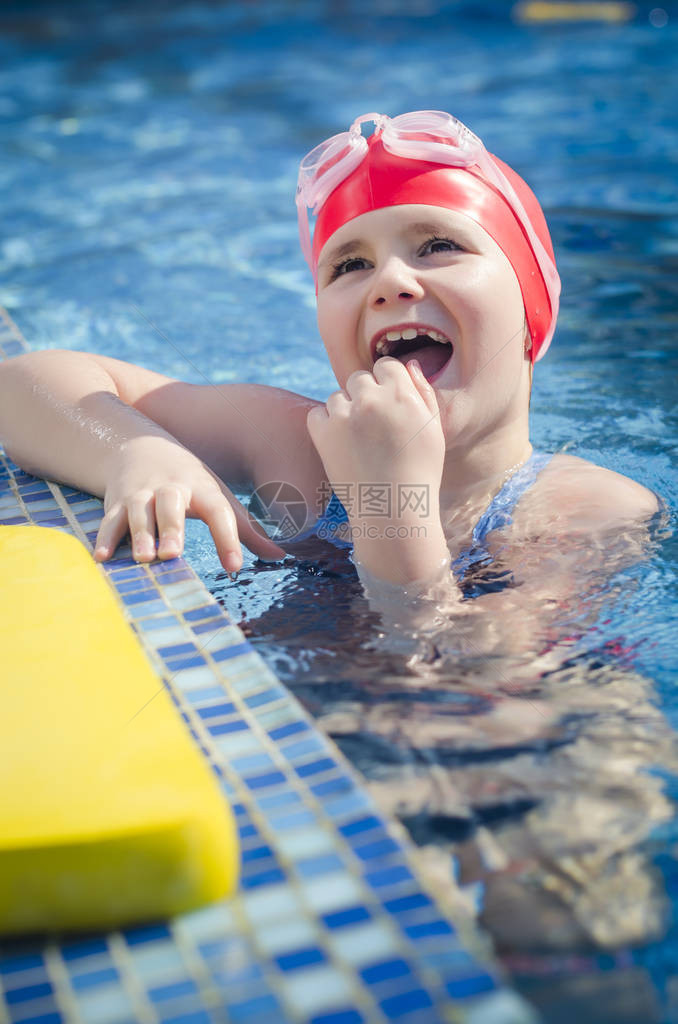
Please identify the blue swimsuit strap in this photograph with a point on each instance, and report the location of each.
(497, 515)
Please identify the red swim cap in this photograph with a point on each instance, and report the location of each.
(384, 179)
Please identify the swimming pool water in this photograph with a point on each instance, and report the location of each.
(148, 166)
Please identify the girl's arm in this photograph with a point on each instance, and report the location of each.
(154, 448)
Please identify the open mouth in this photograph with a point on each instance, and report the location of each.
(430, 347)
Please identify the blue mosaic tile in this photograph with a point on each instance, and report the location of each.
(331, 786)
(405, 1003)
(404, 904)
(348, 1016)
(167, 577)
(264, 1008)
(194, 1017)
(223, 728)
(48, 519)
(129, 586)
(10, 963)
(226, 653)
(377, 849)
(302, 748)
(365, 824)
(283, 731)
(38, 495)
(265, 780)
(203, 612)
(27, 993)
(467, 987)
(92, 979)
(174, 649)
(263, 878)
(215, 710)
(301, 958)
(342, 918)
(428, 929)
(265, 697)
(173, 991)
(388, 876)
(346, 804)
(253, 763)
(146, 933)
(51, 1017)
(386, 970)
(321, 865)
(269, 801)
(255, 853)
(323, 764)
(181, 664)
(285, 822)
(205, 694)
(211, 625)
(88, 947)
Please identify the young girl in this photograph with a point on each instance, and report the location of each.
(437, 292)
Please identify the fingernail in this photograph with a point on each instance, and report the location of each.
(233, 562)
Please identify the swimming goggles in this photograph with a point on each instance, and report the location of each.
(427, 135)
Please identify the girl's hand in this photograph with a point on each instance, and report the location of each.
(383, 428)
(157, 484)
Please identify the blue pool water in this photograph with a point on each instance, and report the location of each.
(148, 163)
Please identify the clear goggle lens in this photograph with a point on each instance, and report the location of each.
(428, 135)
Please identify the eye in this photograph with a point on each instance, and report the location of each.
(348, 266)
(437, 244)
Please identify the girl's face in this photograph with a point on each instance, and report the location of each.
(436, 272)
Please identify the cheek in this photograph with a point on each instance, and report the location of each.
(494, 311)
(331, 324)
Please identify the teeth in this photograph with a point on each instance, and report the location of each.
(383, 346)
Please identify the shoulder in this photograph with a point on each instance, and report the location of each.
(578, 495)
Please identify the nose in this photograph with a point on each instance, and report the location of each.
(395, 280)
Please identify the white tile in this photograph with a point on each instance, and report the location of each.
(104, 1005)
(307, 842)
(333, 891)
(223, 636)
(270, 903)
(188, 679)
(284, 936)
(167, 635)
(357, 945)
(315, 989)
(237, 744)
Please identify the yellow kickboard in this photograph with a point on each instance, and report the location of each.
(108, 812)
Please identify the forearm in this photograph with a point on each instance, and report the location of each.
(61, 417)
(400, 551)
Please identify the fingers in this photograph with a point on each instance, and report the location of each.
(425, 389)
(141, 515)
(230, 523)
(170, 518)
(111, 531)
(137, 517)
(141, 519)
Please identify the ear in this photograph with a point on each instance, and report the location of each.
(527, 340)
